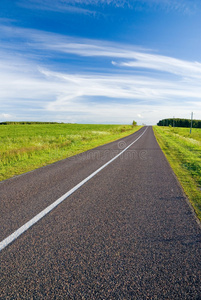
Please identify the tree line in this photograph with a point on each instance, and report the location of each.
(179, 123)
(27, 123)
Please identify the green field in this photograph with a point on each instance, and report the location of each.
(27, 147)
(183, 151)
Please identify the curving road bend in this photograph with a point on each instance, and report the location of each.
(126, 233)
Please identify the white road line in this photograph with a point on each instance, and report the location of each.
(39, 216)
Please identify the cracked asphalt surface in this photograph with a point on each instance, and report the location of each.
(128, 233)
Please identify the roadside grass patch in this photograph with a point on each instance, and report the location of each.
(183, 151)
(25, 147)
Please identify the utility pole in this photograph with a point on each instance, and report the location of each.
(191, 122)
(173, 121)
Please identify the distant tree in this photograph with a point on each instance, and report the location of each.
(180, 123)
(134, 123)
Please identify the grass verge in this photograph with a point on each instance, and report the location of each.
(183, 151)
(26, 147)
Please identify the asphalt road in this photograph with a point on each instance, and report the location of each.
(127, 233)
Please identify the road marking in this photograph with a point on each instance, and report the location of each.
(39, 216)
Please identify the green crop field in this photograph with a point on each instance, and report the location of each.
(183, 151)
(24, 147)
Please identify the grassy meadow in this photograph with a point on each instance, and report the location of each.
(24, 147)
(183, 151)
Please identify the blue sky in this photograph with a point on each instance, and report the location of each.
(100, 61)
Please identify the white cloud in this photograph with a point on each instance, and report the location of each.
(56, 6)
(121, 55)
(5, 116)
(140, 59)
(165, 64)
(120, 87)
(114, 94)
(78, 5)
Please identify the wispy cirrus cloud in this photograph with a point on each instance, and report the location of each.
(123, 56)
(56, 6)
(60, 5)
(137, 82)
(164, 64)
(5, 116)
(80, 6)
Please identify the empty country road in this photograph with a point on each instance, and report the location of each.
(128, 232)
